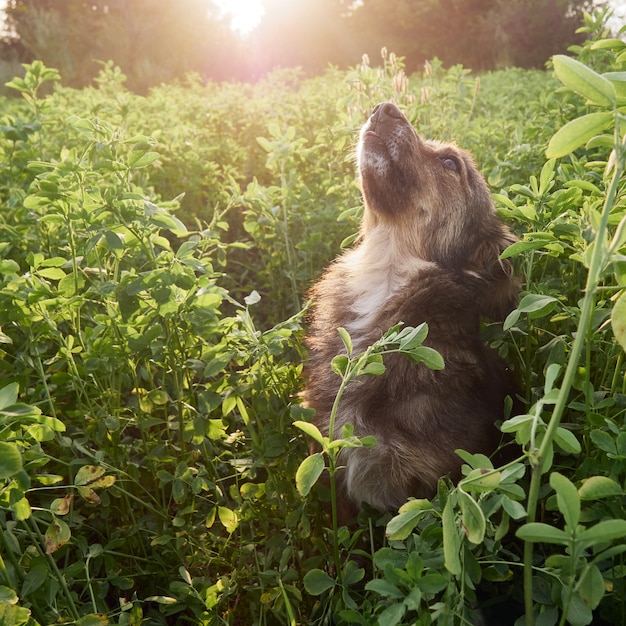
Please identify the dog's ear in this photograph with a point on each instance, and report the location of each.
(498, 285)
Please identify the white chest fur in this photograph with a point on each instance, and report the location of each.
(377, 271)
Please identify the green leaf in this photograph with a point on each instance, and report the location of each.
(166, 600)
(169, 222)
(481, 480)
(604, 441)
(265, 144)
(7, 595)
(22, 509)
(9, 266)
(609, 553)
(613, 44)
(36, 576)
(535, 303)
(539, 532)
(418, 504)
(114, 242)
(339, 364)
(51, 273)
(566, 440)
(475, 461)
(578, 613)
(253, 298)
(473, 519)
(316, 582)
(57, 535)
(551, 375)
(10, 459)
(384, 588)
(159, 397)
(513, 508)
(228, 518)
(88, 473)
(392, 615)
(309, 472)
(62, 506)
(93, 619)
(8, 395)
(618, 320)
(451, 540)
(139, 158)
(11, 615)
(413, 338)
(428, 356)
(547, 176)
(373, 368)
(591, 587)
(55, 261)
(390, 557)
(432, 583)
(229, 404)
(311, 430)
(604, 531)
(185, 575)
(523, 246)
(346, 339)
(403, 524)
(584, 81)
(567, 499)
(575, 133)
(352, 573)
(596, 487)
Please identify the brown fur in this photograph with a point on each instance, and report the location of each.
(428, 251)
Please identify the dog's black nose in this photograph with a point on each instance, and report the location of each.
(386, 109)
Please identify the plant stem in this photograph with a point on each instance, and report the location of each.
(3, 570)
(288, 244)
(39, 541)
(92, 596)
(332, 471)
(596, 267)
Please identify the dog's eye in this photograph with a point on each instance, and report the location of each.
(450, 163)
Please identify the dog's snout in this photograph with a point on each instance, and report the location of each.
(386, 109)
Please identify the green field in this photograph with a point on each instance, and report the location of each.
(155, 254)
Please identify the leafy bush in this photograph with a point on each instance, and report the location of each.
(154, 262)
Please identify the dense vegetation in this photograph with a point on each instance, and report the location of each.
(154, 261)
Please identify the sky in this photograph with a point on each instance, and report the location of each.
(244, 15)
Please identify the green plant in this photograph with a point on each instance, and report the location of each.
(581, 582)
(151, 352)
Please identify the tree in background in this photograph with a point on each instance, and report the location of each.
(155, 41)
(480, 34)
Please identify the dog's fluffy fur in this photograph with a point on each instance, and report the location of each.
(428, 251)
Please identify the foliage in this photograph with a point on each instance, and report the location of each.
(156, 41)
(482, 34)
(153, 449)
(153, 41)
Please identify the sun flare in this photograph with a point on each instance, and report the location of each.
(244, 15)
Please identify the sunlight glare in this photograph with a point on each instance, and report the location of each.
(245, 15)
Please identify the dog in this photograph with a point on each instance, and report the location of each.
(428, 250)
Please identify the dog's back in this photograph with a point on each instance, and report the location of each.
(428, 252)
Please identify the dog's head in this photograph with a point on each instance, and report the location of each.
(430, 198)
